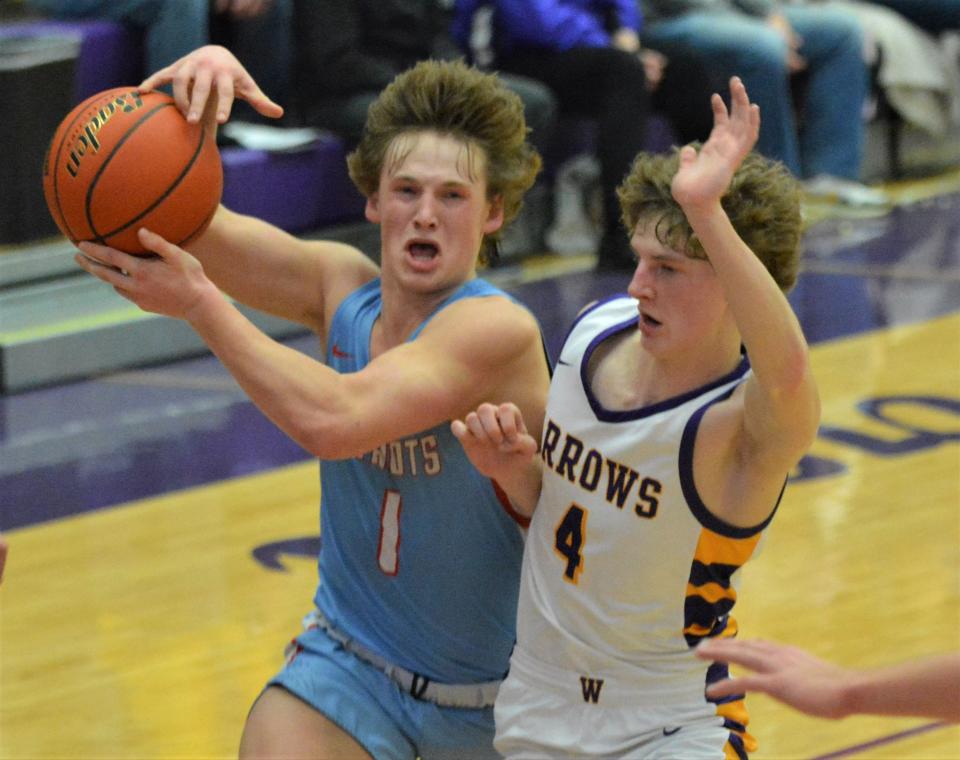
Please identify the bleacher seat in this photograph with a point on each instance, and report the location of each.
(297, 191)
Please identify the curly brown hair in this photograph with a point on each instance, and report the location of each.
(453, 99)
(763, 203)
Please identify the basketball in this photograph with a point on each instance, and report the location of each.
(122, 160)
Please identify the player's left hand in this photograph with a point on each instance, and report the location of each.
(172, 282)
(704, 176)
(196, 75)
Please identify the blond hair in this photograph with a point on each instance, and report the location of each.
(451, 98)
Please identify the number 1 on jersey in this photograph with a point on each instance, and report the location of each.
(388, 553)
(569, 535)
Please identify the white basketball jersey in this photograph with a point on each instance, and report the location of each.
(624, 569)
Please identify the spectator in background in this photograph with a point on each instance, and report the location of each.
(347, 51)
(256, 31)
(915, 75)
(588, 52)
(767, 45)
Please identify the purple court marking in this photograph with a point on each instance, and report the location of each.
(856, 749)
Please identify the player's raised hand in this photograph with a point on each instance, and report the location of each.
(170, 282)
(205, 70)
(704, 176)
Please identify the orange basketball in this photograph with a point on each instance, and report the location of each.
(122, 160)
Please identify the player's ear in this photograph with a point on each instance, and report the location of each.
(372, 209)
(494, 215)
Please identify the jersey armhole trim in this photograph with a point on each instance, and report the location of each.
(685, 466)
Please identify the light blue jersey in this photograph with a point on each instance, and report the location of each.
(420, 558)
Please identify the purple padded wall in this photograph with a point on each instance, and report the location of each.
(297, 191)
(111, 55)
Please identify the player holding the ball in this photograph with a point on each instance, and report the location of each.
(415, 612)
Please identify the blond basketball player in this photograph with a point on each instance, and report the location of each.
(675, 413)
(419, 567)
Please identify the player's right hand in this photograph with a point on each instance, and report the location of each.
(209, 68)
(171, 282)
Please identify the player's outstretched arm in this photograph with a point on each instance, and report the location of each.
(474, 350)
(173, 282)
(929, 687)
(211, 68)
(253, 262)
(781, 405)
(3, 556)
(496, 440)
(291, 388)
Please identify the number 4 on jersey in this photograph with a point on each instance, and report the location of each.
(569, 543)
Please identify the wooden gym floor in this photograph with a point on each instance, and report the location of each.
(162, 531)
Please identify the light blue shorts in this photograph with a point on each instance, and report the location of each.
(389, 723)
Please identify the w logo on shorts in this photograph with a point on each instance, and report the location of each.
(591, 688)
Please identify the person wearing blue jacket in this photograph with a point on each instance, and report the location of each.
(588, 53)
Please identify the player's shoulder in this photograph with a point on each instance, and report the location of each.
(487, 328)
(338, 267)
(486, 312)
(335, 255)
